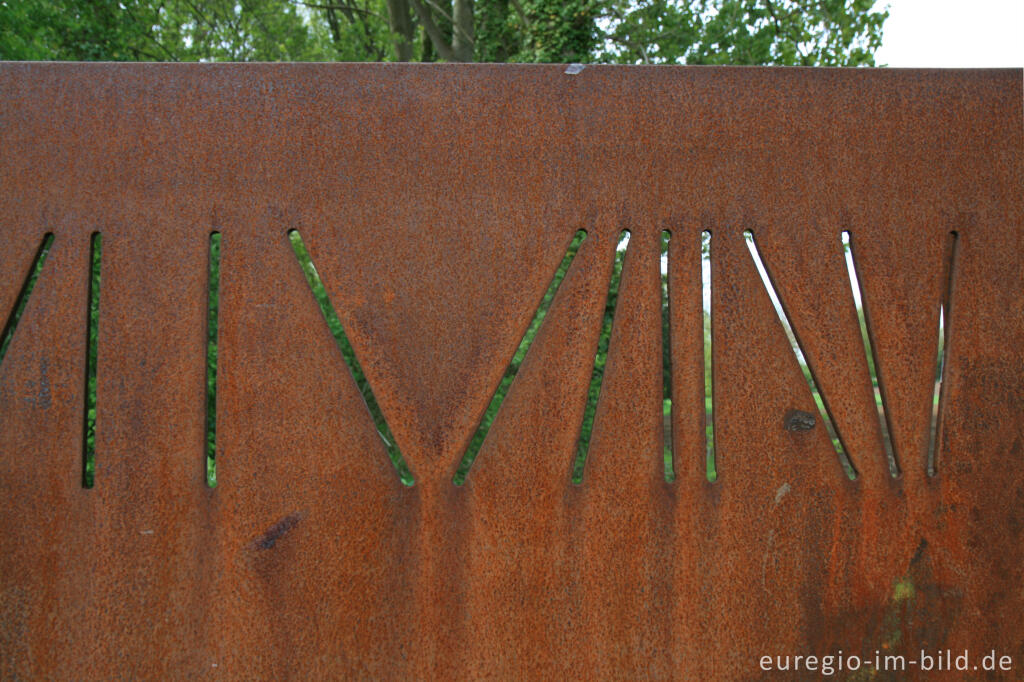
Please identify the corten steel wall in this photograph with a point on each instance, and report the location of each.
(436, 201)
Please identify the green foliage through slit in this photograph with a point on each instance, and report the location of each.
(517, 359)
(600, 360)
(91, 362)
(348, 355)
(23, 296)
(213, 304)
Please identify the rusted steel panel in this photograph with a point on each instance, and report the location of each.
(519, 491)
(314, 535)
(436, 202)
(48, 521)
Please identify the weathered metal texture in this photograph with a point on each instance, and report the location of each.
(436, 202)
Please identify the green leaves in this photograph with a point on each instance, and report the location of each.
(797, 32)
(779, 32)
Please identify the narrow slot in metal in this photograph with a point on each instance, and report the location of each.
(26, 291)
(668, 423)
(600, 358)
(212, 308)
(864, 319)
(805, 367)
(494, 406)
(710, 464)
(91, 362)
(945, 317)
(316, 286)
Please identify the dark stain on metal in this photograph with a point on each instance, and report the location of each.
(798, 420)
(43, 397)
(278, 531)
(919, 552)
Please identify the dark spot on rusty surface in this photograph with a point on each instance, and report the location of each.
(798, 420)
(919, 552)
(43, 397)
(278, 531)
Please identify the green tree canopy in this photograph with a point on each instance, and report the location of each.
(803, 32)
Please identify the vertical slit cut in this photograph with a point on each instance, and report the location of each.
(91, 356)
(805, 367)
(480, 435)
(710, 464)
(600, 358)
(26, 291)
(938, 399)
(864, 320)
(212, 307)
(668, 423)
(348, 354)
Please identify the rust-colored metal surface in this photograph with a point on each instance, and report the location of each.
(436, 202)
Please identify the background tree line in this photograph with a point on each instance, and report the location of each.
(782, 32)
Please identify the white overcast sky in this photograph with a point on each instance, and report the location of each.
(953, 33)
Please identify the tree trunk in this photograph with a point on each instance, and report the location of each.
(437, 38)
(400, 22)
(462, 30)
